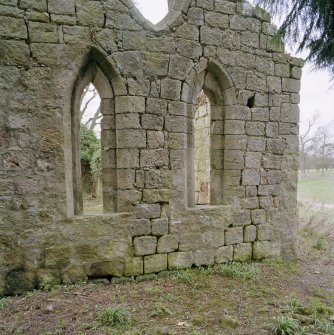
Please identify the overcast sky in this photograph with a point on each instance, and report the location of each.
(316, 95)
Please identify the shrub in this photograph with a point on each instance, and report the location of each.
(114, 315)
(286, 325)
(89, 144)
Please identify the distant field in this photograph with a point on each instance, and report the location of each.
(316, 188)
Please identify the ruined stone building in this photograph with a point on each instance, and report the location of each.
(183, 184)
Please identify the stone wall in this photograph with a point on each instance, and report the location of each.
(148, 78)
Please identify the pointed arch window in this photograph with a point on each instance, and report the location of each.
(209, 95)
(91, 75)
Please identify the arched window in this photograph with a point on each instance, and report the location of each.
(202, 144)
(90, 150)
(91, 75)
(154, 11)
(210, 91)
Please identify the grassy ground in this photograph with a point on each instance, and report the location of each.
(317, 188)
(233, 299)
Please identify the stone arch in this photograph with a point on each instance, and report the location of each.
(94, 71)
(217, 85)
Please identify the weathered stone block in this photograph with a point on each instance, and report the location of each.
(177, 140)
(154, 158)
(64, 7)
(127, 158)
(290, 113)
(234, 159)
(74, 273)
(266, 249)
(155, 139)
(253, 160)
(250, 177)
(76, 35)
(250, 39)
(224, 254)
(189, 49)
(129, 104)
(271, 161)
(155, 64)
(179, 67)
(12, 27)
(255, 128)
(39, 5)
(128, 198)
(152, 122)
(249, 203)
(127, 121)
(296, 72)
(145, 245)
(216, 20)
(57, 256)
(63, 19)
(176, 124)
(257, 144)
(134, 40)
(168, 243)
(90, 13)
(107, 268)
(260, 114)
(14, 52)
(290, 85)
(272, 129)
(132, 138)
(264, 232)
(152, 196)
(250, 233)
(204, 257)
(195, 16)
(156, 106)
(170, 89)
(134, 266)
(238, 22)
(163, 44)
(225, 7)
(141, 227)
(258, 216)
(238, 113)
(234, 127)
(160, 227)
(147, 211)
(180, 260)
(155, 263)
(234, 236)
(187, 31)
(155, 179)
(241, 218)
(235, 142)
(242, 252)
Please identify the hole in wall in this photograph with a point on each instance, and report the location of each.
(251, 102)
(202, 143)
(90, 150)
(153, 11)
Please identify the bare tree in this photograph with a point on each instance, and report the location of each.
(95, 118)
(323, 147)
(305, 143)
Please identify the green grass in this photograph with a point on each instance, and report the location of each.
(3, 303)
(317, 188)
(286, 325)
(114, 315)
(247, 271)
